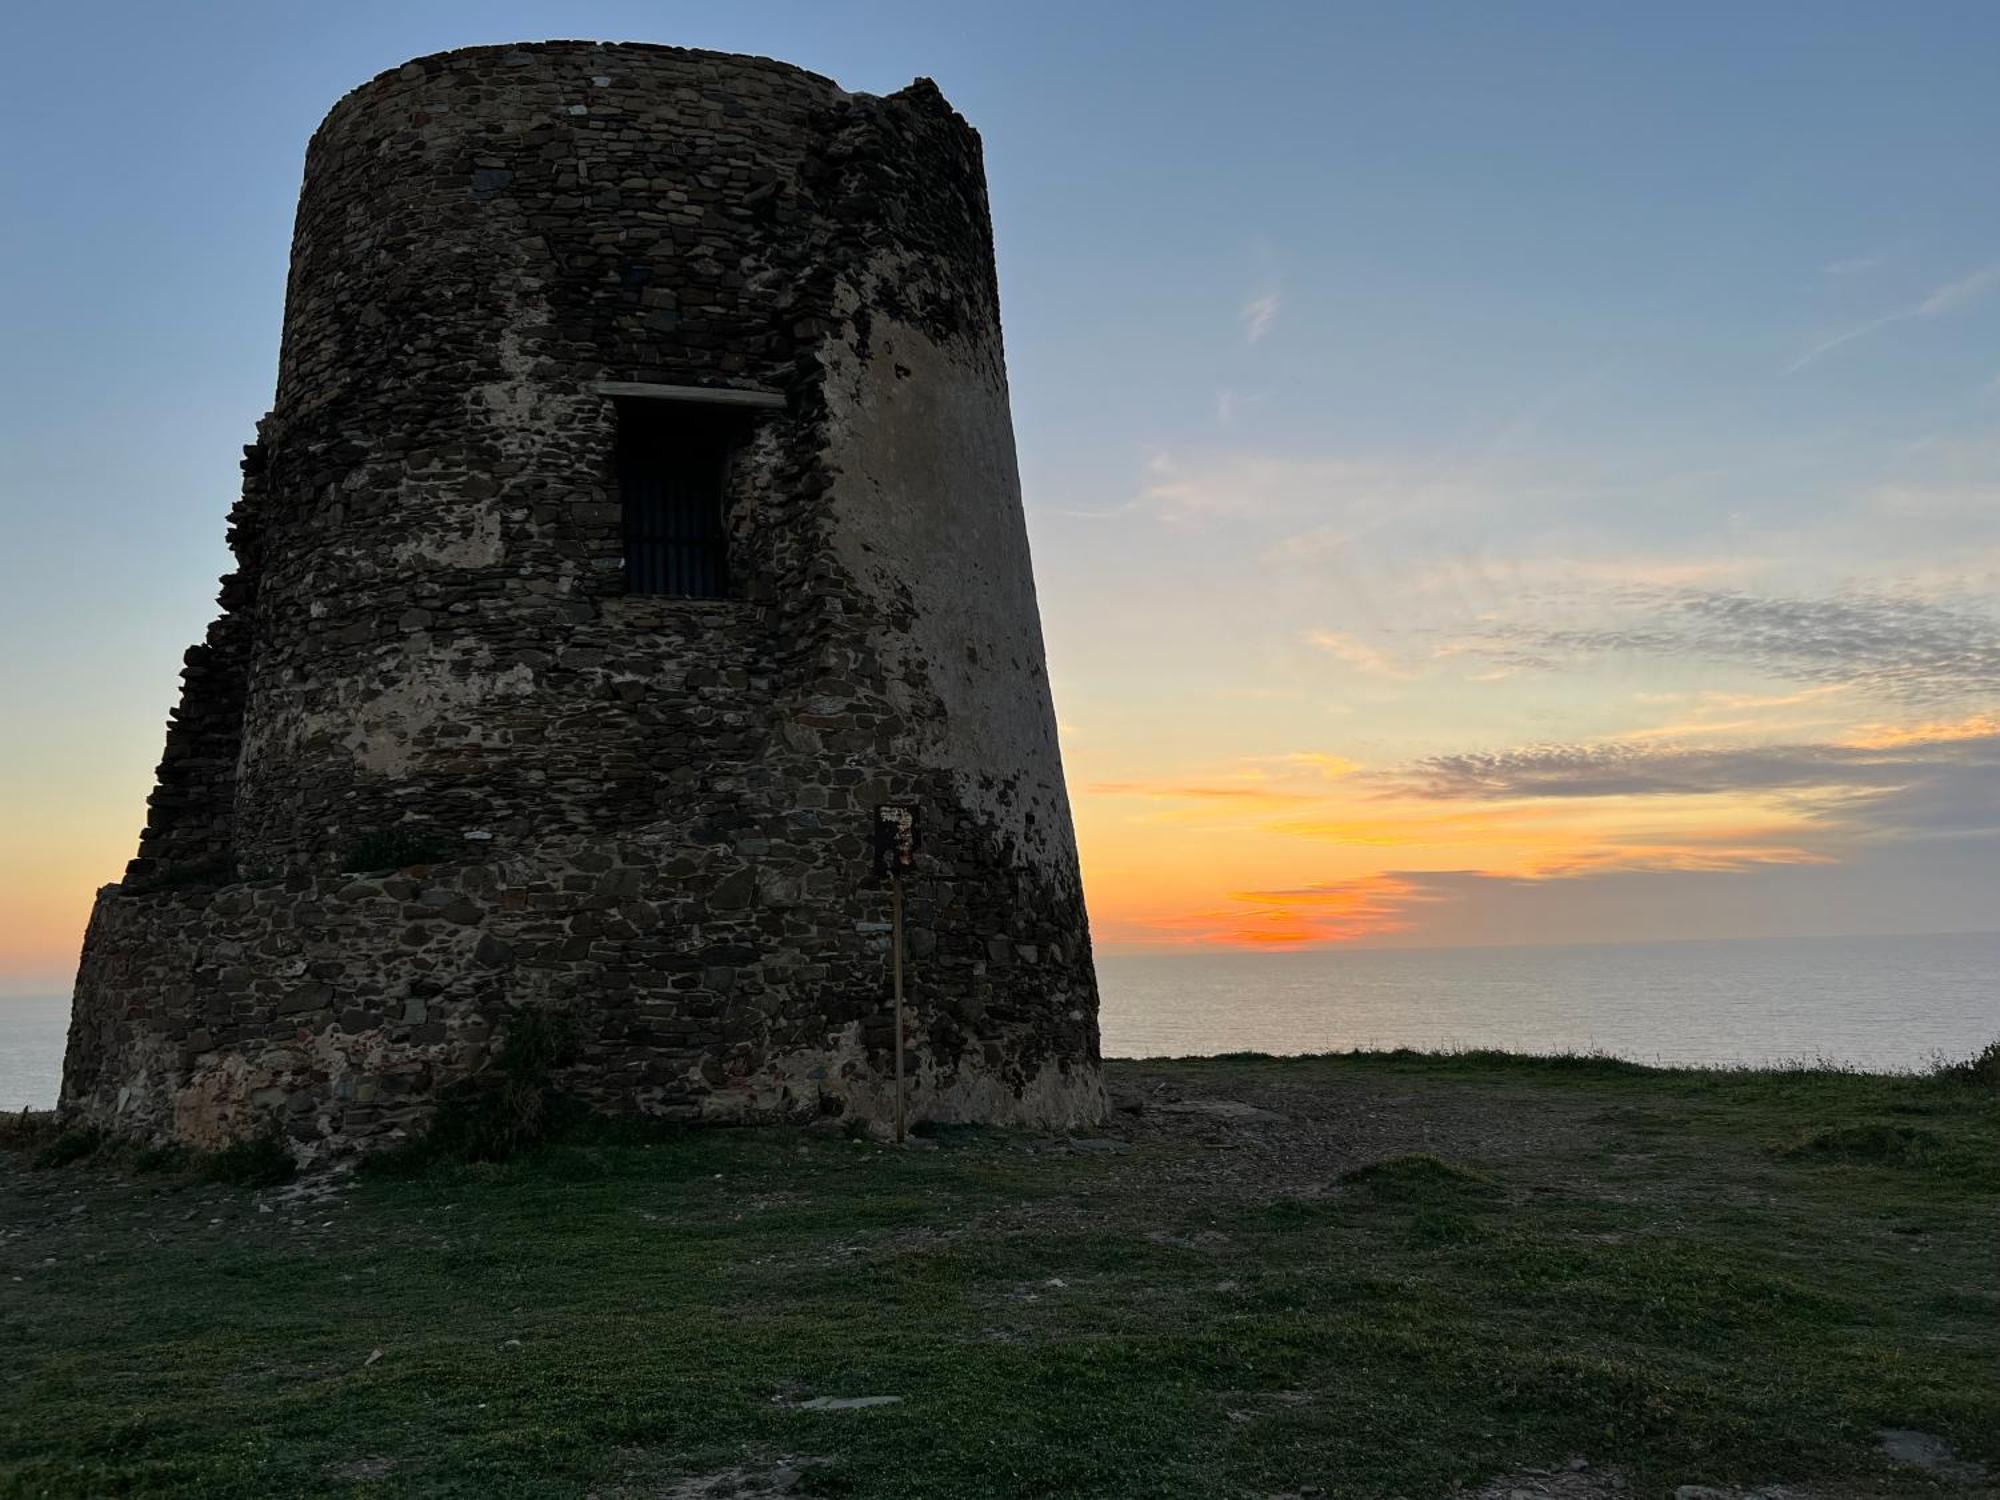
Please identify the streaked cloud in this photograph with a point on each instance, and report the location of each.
(1637, 770)
(1885, 737)
(1860, 330)
(1956, 294)
(1885, 642)
(1948, 298)
(1948, 783)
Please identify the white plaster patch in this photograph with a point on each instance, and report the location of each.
(518, 409)
(423, 696)
(928, 498)
(474, 542)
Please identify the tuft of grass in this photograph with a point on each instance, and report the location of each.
(951, 1132)
(1982, 1069)
(261, 1161)
(1891, 1145)
(168, 1156)
(29, 1128)
(397, 847)
(71, 1146)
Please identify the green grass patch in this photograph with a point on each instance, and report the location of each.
(1541, 1260)
(1420, 1178)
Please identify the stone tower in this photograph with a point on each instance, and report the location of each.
(638, 510)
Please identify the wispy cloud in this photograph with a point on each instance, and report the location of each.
(1356, 653)
(1258, 315)
(1316, 761)
(1194, 791)
(1332, 498)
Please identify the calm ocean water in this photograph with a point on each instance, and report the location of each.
(1876, 1002)
(32, 1032)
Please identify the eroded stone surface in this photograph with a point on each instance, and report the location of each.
(647, 813)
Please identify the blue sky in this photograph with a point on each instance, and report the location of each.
(1393, 384)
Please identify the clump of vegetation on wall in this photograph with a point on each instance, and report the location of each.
(394, 848)
(502, 1109)
(190, 876)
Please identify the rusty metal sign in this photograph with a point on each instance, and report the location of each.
(895, 838)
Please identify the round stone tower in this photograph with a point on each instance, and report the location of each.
(637, 513)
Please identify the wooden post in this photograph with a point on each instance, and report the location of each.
(896, 964)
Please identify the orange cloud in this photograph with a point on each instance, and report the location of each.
(1149, 876)
(1885, 737)
(1174, 791)
(1311, 849)
(1329, 766)
(1336, 912)
(1356, 653)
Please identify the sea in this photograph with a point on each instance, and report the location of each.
(1878, 1003)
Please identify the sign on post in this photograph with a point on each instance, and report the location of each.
(896, 854)
(895, 838)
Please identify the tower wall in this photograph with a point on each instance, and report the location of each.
(648, 813)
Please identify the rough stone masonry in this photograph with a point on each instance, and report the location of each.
(438, 765)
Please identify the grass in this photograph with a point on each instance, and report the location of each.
(1439, 1269)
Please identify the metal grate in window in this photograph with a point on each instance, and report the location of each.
(673, 471)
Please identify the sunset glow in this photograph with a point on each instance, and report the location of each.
(1485, 493)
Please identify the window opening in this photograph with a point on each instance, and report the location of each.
(673, 486)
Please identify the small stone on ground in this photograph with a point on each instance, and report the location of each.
(843, 1403)
(1233, 1110)
(1924, 1450)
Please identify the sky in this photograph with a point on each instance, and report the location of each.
(1496, 473)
